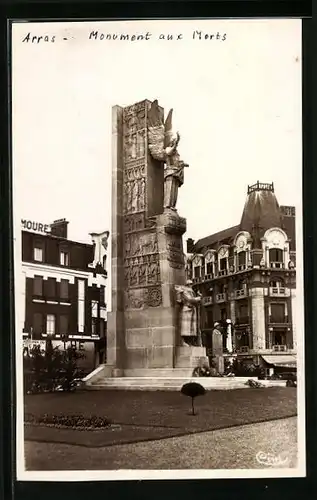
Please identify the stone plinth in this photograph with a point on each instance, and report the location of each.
(191, 356)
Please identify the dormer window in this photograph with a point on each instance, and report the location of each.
(209, 270)
(64, 257)
(223, 260)
(242, 260)
(197, 267)
(276, 258)
(223, 266)
(197, 270)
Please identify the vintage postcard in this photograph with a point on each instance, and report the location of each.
(157, 171)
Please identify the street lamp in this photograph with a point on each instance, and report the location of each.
(229, 335)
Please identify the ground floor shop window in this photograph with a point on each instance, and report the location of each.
(279, 338)
(242, 341)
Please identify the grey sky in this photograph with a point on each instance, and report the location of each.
(237, 105)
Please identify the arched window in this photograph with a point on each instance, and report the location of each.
(242, 260)
(276, 258)
(209, 269)
(197, 272)
(223, 263)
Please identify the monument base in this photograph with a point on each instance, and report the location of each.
(191, 357)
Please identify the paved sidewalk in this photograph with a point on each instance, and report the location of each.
(244, 447)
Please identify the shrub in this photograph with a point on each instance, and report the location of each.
(77, 421)
(51, 370)
(202, 371)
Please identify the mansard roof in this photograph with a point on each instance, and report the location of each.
(225, 237)
(261, 210)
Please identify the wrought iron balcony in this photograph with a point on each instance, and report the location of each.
(207, 277)
(243, 349)
(221, 297)
(279, 291)
(277, 265)
(261, 186)
(279, 348)
(223, 272)
(242, 292)
(206, 301)
(241, 267)
(197, 279)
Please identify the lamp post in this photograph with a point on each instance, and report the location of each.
(229, 335)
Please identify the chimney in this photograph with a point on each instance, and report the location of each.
(190, 245)
(59, 228)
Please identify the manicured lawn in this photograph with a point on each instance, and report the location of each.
(234, 448)
(140, 416)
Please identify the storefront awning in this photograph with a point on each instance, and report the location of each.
(281, 360)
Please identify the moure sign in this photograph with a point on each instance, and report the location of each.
(39, 227)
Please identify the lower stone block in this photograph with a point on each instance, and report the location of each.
(161, 356)
(136, 358)
(191, 357)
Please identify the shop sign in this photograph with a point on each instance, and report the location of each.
(37, 227)
(30, 344)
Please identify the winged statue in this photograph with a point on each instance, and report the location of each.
(163, 145)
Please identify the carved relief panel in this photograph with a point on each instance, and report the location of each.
(134, 145)
(175, 254)
(141, 258)
(146, 297)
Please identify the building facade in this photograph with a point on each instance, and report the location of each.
(247, 276)
(64, 285)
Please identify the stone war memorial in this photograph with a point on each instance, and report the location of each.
(154, 325)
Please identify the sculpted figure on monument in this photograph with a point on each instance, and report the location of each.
(189, 313)
(163, 147)
(100, 242)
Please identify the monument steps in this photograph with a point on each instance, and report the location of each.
(175, 383)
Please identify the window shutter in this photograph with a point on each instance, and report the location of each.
(64, 290)
(63, 324)
(38, 286)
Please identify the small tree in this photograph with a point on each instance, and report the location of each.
(46, 371)
(70, 372)
(193, 389)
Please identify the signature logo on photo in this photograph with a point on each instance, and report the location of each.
(270, 459)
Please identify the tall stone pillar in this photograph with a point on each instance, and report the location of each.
(115, 320)
(258, 317)
(147, 253)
